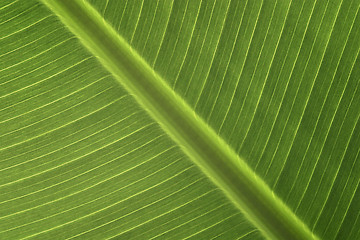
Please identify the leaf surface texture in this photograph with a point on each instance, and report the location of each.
(278, 80)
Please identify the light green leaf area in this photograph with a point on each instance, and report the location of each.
(277, 80)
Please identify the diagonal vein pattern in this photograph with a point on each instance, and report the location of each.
(217, 160)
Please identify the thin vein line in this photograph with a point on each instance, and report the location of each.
(188, 45)
(174, 220)
(137, 22)
(42, 134)
(191, 220)
(163, 36)
(53, 115)
(222, 55)
(202, 46)
(227, 231)
(341, 160)
(90, 170)
(91, 178)
(54, 101)
(66, 163)
(150, 29)
(235, 214)
(317, 120)
(113, 204)
(8, 5)
(178, 34)
(267, 76)
(254, 72)
(278, 77)
(73, 143)
(29, 43)
(310, 93)
(247, 234)
(34, 70)
(78, 130)
(122, 14)
(214, 53)
(148, 205)
(297, 92)
(242, 68)
(341, 196)
(34, 56)
(20, 30)
(165, 213)
(326, 136)
(287, 84)
(352, 228)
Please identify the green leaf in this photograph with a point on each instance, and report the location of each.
(278, 81)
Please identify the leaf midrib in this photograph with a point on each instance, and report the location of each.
(204, 147)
